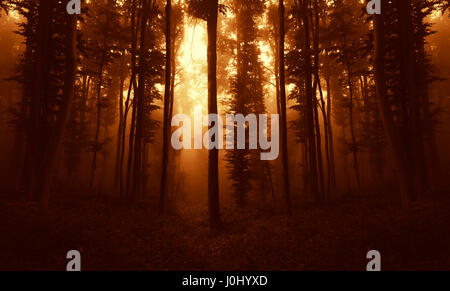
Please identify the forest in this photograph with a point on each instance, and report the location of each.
(87, 109)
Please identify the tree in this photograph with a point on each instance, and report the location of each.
(50, 153)
(102, 38)
(346, 23)
(32, 161)
(49, 97)
(300, 74)
(167, 105)
(139, 103)
(148, 73)
(282, 90)
(213, 166)
(384, 107)
(247, 97)
(401, 84)
(208, 10)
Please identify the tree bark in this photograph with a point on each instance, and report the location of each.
(99, 112)
(315, 33)
(139, 137)
(309, 103)
(167, 109)
(131, 142)
(50, 154)
(352, 123)
(385, 111)
(329, 129)
(120, 127)
(213, 155)
(282, 96)
(414, 145)
(32, 159)
(124, 191)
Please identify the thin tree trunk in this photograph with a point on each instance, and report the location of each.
(174, 52)
(352, 125)
(305, 156)
(124, 131)
(125, 192)
(277, 73)
(319, 151)
(326, 116)
(98, 124)
(346, 166)
(213, 165)
(139, 138)
(327, 141)
(330, 126)
(282, 96)
(309, 104)
(407, 94)
(121, 122)
(167, 109)
(315, 31)
(144, 167)
(83, 108)
(131, 142)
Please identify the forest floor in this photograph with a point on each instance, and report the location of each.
(335, 236)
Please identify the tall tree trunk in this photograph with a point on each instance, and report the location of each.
(385, 109)
(172, 188)
(139, 137)
(309, 103)
(329, 152)
(99, 112)
(412, 129)
(83, 109)
(123, 137)
(32, 159)
(120, 126)
(321, 179)
(144, 167)
(352, 123)
(413, 92)
(167, 109)
(277, 68)
(315, 33)
(213, 165)
(305, 157)
(174, 36)
(128, 104)
(50, 154)
(422, 76)
(131, 142)
(330, 125)
(327, 142)
(282, 96)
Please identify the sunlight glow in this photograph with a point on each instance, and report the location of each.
(193, 92)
